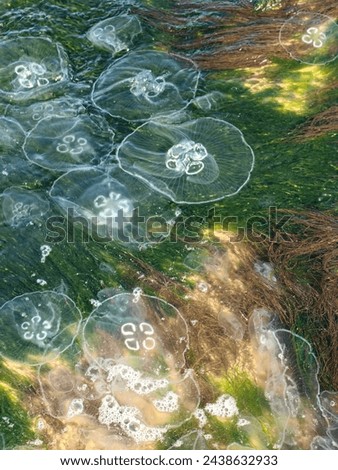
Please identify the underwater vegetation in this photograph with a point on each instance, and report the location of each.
(168, 230)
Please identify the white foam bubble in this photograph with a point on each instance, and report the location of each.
(224, 407)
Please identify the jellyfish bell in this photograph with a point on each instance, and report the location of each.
(145, 85)
(115, 34)
(191, 163)
(139, 330)
(31, 68)
(310, 38)
(22, 207)
(36, 327)
(14, 167)
(114, 205)
(30, 115)
(59, 143)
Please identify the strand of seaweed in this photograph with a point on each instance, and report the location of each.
(312, 250)
(227, 35)
(325, 122)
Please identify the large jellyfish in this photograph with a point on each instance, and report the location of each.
(114, 205)
(145, 85)
(36, 327)
(21, 207)
(110, 382)
(115, 34)
(59, 143)
(140, 331)
(195, 162)
(311, 38)
(31, 68)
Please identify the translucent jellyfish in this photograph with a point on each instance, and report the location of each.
(115, 34)
(311, 38)
(114, 205)
(36, 327)
(12, 160)
(289, 370)
(145, 85)
(196, 162)
(22, 207)
(143, 332)
(31, 68)
(59, 143)
(28, 116)
(233, 326)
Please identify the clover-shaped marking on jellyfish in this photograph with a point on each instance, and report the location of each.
(135, 333)
(22, 207)
(30, 67)
(111, 205)
(314, 36)
(37, 330)
(131, 341)
(186, 157)
(36, 327)
(108, 35)
(31, 74)
(20, 211)
(71, 144)
(191, 163)
(146, 85)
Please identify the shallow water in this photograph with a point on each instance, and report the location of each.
(69, 96)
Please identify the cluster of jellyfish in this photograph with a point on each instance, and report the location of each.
(120, 376)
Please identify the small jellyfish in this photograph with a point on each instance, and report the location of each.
(29, 116)
(59, 143)
(36, 327)
(22, 207)
(196, 162)
(311, 38)
(114, 205)
(115, 34)
(30, 68)
(136, 333)
(146, 85)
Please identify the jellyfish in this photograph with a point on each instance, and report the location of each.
(115, 34)
(59, 143)
(231, 324)
(36, 327)
(311, 38)
(30, 115)
(114, 205)
(196, 162)
(145, 85)
(31, 68)
(142, 331)
(22, 207)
